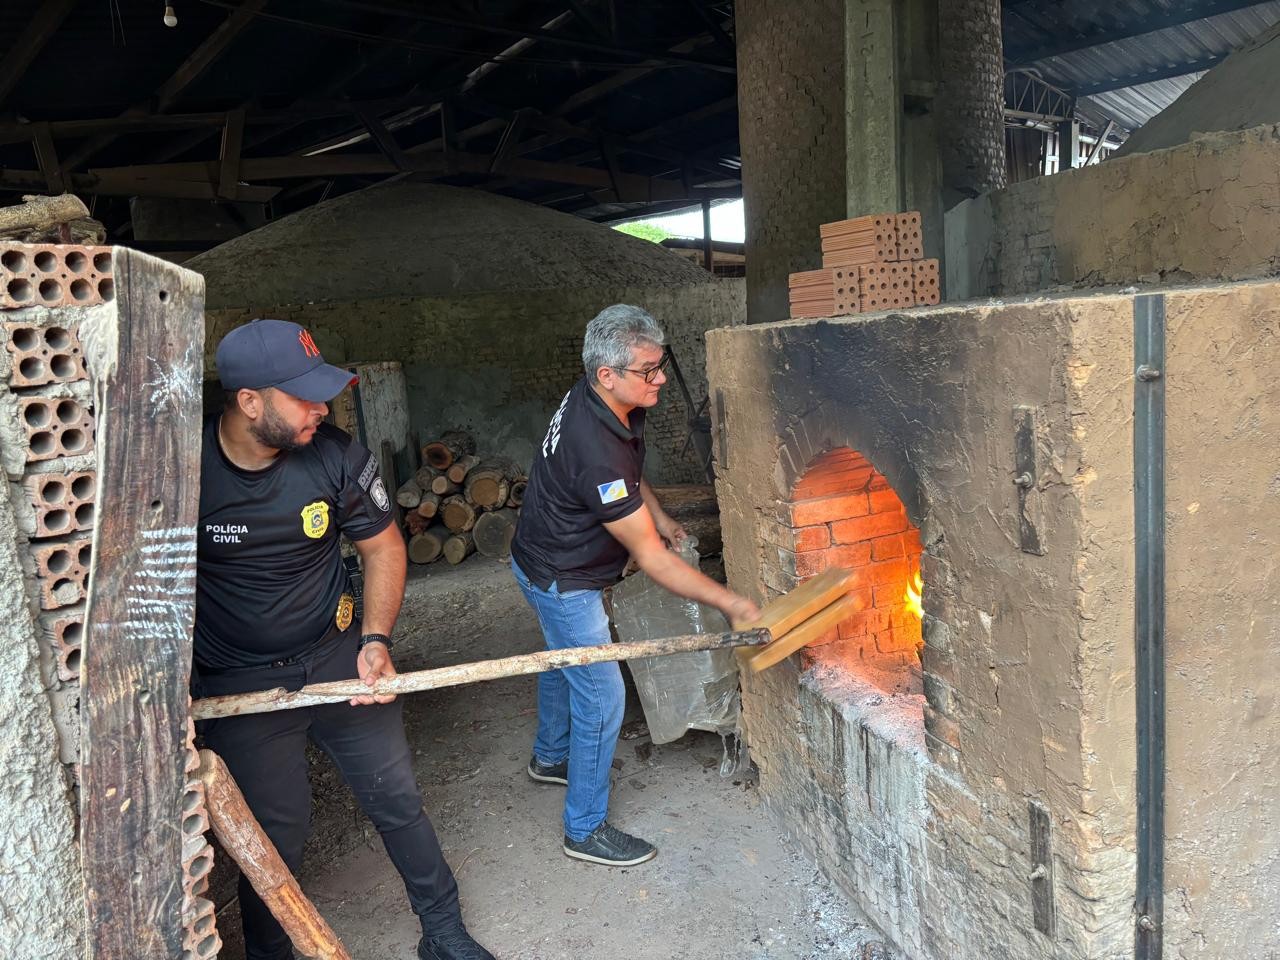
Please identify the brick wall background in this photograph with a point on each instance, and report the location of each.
(792, 109)
(971, 97)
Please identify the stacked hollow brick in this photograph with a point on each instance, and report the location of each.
(869, 263)
(47, 379)
(40, 287)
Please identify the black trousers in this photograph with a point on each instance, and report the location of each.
(266, 754)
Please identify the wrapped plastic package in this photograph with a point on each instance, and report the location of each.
(685, 691)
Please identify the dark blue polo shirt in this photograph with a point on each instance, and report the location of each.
(269, 573)
(586, 474)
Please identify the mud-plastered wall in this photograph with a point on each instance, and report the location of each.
(1208, 210)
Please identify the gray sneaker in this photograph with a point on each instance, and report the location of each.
(549, 772)
(610, 846)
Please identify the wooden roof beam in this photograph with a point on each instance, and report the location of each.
(190, 70)
(28, 44)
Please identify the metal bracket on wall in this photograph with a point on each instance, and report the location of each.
(1041, 867)
(1149, 527)
(1026, 476)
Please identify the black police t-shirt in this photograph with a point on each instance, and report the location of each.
(586, 474)
(269, 576)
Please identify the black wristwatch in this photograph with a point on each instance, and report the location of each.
(374, 638)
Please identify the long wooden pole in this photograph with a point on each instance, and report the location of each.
(241, 836)
(266, 701)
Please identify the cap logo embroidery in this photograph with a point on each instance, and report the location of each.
(309, 347)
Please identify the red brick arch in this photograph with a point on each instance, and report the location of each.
(844, 513)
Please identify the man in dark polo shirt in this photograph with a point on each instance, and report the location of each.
(274, 609)
(588, 508)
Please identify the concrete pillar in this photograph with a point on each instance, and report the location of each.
(1068, 144)
(891, 84)
(971, 98)
(791, 107)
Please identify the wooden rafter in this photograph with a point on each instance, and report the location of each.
(28, 44)
(201, 59)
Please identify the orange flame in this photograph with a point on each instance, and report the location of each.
(912, 597)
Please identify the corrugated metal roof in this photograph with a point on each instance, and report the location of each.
(1037, 25)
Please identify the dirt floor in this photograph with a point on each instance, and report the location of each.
(727, 881)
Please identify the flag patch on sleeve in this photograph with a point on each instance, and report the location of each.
(612, 491)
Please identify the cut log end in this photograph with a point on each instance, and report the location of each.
(458, 515)
(458, 547)
(493, 533)
(426, 547)
(452, 445)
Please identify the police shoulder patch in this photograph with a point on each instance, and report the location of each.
(379, 493)
(315, 519)
(612, 491)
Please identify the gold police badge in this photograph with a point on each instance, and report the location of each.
(315, 519)
(346, 609)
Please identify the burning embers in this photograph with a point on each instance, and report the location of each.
(844, 513)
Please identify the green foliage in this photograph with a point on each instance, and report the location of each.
(645, 231)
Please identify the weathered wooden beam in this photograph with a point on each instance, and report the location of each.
(207, 54)
(47, 158)
(268, 701)
(508, 142)
(385, 141)
(44, 23)
(32, 181)
(229, 158)
(144, 358)
(190, 70)
(243, 838)
(542, 34)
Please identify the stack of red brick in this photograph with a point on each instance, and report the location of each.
(868, 263)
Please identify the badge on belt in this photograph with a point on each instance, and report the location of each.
(346, 610)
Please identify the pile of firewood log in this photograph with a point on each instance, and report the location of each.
(459, 503)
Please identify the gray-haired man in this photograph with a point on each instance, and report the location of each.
(586, 508)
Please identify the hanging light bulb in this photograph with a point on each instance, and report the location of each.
(170, 18)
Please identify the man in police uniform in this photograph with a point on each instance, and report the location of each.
(274, 609)
(586, 508)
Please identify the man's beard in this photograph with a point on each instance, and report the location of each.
(272, 431)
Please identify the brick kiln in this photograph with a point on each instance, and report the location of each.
(969, 776)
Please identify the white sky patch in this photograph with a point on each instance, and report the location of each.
(727, 222)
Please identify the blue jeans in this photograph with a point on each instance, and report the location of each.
(579, 708)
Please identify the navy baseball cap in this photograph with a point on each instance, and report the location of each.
(280, 354)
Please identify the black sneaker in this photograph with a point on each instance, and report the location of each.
(549, 772)
(610, 846)
(455, 944)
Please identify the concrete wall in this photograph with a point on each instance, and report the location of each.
(792, 126)
(1028, 667)
(499, 363)
(1205, 210)
(1223, 637)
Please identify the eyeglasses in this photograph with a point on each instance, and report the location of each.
(650, 374)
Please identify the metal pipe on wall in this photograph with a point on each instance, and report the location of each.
(1149, 618)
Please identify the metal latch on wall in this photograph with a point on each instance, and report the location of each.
(1026, 476)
